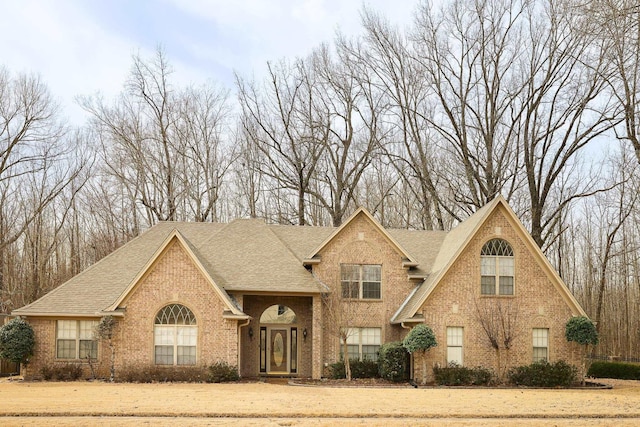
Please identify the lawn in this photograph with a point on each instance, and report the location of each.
(91, 403)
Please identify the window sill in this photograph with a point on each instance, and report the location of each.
(496, 296)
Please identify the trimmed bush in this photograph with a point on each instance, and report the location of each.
(17, 341)
(392, 361)
(544, 374)
(453, 375)
(221, 372)
(359, 369)
(164, 374)
(618, 370)
(66, 372)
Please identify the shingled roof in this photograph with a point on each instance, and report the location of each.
(250, 256)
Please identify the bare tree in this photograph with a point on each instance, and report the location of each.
(499, 321)
(388, 55)
(163, 144)
(351, 107)
(468, 52)
(617, 26)
(281, 119)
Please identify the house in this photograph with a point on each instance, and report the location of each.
(251, 294)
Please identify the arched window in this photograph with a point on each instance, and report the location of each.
(175, 336)
(496, 268)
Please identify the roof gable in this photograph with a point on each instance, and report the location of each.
(362, 212)
(456, 242)
(176, 236)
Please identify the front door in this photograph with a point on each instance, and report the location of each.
(278, 341)
(278, 351)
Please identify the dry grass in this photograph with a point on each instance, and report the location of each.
(80, 403)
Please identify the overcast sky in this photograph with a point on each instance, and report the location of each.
(80, 47)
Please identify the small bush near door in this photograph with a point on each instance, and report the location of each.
(392, 361)
(359, 369)
(544, 374)
(221, 372)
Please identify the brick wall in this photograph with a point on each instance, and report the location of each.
(361, 242)
(536, 304)
(175, 279)
(45, 351)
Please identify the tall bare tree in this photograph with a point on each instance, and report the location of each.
(164, 144)
(281, 118)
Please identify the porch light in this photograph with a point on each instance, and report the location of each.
(304, 334)
(250, 332)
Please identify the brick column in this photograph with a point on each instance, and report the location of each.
(316, 356)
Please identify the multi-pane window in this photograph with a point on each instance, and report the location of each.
(454, 345)
(75, 339)
(175, 336)
(496, 268)
(540, 344)
(361, 281)
(363, 343)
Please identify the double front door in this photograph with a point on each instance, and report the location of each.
(279, 349)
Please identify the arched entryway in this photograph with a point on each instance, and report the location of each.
(278, 341)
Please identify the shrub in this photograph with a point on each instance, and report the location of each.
(392, 361)
(221, 372)
(162, 374)
(364, 369)
(336, 371)
(460, 375)
(66, 372)
(544, 374)
(618, 370)
(17, 341)
(359, 369)
(582, 330)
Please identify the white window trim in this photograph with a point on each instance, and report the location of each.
(77, 339)
(361, 282)
(456, 345)
(354, 337)
(540, 339)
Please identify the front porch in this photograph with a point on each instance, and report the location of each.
(283, 337)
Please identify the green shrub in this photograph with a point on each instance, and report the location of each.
(66, 372)
(359, 369)
(221, 372)
(336, 371)
(392, 361)
(162, 374)
(364, 369)
(618, 370)
(453, 375)
(544, 374)
(17, 341)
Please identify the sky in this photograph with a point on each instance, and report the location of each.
(84, 47)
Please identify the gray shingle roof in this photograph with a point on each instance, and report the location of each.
(246, 255)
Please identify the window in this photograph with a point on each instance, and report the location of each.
(74, 339)
(540, 345)
(496, 267)
(175, 336)
(360, 281)
(363, 343)
(454, 345)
